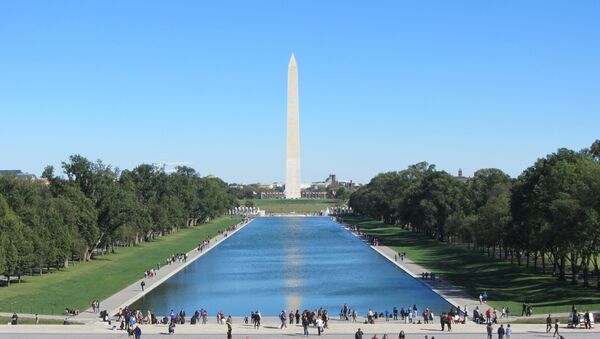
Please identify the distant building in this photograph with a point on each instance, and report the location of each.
(272, 195)
(331, 180)
(24, 176)
(460, 175)
(314, 195)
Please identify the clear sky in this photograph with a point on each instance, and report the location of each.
(383, 84)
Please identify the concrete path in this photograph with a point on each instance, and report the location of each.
(133, 292)
(270, 329)
(278, 336)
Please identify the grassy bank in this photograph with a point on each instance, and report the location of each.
(300, 206)
(507, 284)
(100, 278)
(31, 321)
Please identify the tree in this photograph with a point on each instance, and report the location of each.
(15, 247)
(554, 202)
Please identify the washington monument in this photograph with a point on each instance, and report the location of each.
(292, 180)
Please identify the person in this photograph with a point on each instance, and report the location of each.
(501, 332)
(229, 329)
(258, 319)
(130, 332)
(143, 283)
(524, 309)
(489, 330)
(586, 320)
(556, 328)
(358, 334)
(305, 324)
(137, 332)
(172, 327)
(282, 317)
(529, 310)
(480, 299)
(401, 335)
(297, 317)
(443, 321)
(508, 331)
(548, 323)
(37, 319)
(319, 324)
(14, 319)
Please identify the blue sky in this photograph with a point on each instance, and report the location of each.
(383, 84)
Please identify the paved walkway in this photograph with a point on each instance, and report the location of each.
(133, 292)
(278, 336)
(337, 329)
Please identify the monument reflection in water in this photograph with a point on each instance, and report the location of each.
(294, 263)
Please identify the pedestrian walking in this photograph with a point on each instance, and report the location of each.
(143, 284)
(358, 334)
(508, 331)
(282, 317)
(319, 324)
(548, 323)
(489, 330)
(501, 332)
(228, 322)
(305, 324)
(556, 328)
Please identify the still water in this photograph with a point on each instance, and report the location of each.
(288, 263)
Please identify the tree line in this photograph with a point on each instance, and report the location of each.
(550, 214)
(95, 207)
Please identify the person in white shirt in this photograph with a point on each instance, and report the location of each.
(319, 325)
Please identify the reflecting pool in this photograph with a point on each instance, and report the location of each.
(277, 263)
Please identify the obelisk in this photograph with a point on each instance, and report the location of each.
(292, 181)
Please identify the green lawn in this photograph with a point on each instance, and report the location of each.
(507, 284)
(31, 321)
(100, 278)
(300, 206)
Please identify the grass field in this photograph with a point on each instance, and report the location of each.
(301, 206)
(507, 284)
(100, 278)
(31, 321)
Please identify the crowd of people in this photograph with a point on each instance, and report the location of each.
(526, 310)
(96, 306)
(177, 258)
(72, 311)
(428, 276)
